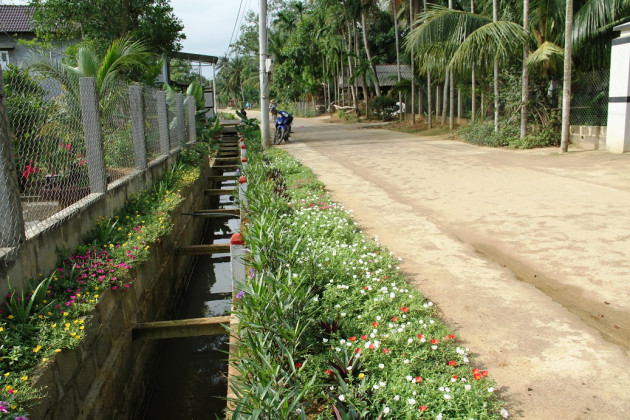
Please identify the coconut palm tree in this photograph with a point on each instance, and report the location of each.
(124, 55)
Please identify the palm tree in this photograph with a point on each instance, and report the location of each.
(525, 76)
(124, 55)
(566, 91)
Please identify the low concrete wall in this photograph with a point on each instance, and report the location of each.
(66, 229)
(109, 375)
(589, 136)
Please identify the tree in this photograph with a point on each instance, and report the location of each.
(566, 91)
(108, 69)
(103, 21)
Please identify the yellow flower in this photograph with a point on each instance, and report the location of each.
(25, 378)
(10, 316)
(1, 329)
(53, 326)
(44, 359)
(65, 314)
(73, 333)
(361, 375)
(36, 349)
(57, 350)
(6, 375)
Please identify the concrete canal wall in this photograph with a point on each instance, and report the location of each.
(109, 375)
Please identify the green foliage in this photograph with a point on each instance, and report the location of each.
(20, 305)
(379, 105)
(103, 21)
(328, 327)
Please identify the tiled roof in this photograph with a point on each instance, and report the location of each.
(16, 19)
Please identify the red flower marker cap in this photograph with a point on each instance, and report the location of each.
(244, 159)
(239, 133)
(242, 180)
(236, 239)
(242, 138)
(243, 146)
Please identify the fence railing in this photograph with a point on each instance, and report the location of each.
(58, 145)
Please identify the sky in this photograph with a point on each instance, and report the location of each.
(209, 24)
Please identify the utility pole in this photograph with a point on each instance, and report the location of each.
(264, 85)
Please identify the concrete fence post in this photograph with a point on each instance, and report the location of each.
(181, 128)
(162, 111)
(137, 127)
(242, 191)
(93, 135)
(243, 151)
(244, 164)
(191, 111)
(237, 263)
(11, 220)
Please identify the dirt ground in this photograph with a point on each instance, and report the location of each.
(526, 253)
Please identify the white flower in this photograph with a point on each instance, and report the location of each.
(375, 386)
(396, 397)
(467, 387)
(411, 401)
(491, 389)
(378, 318)
(414, 392)
(382, 384)
(434, 347)
(381, 366)
(386, 410)
(392, 295)
(406, 361)
(325, 340)
(438, 417)
(504, 413)
(342, 398)
(342, 341)
(408, 377)
(337, 306)
(315, 299)
(447, 396)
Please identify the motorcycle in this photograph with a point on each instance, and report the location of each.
(283, 127)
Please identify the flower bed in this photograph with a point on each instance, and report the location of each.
(329, 328)
(53, 314)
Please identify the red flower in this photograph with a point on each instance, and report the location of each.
(374, 324)
(452, 363)
(385, 351)
(328, 372)
(353, 338)
(364, 337)
(404, 309)
(298, 365)
(371, 346)
(435, 341)
(449, 337)
(420, 336)
(394, 319)
(418, 379)
(475, 370)
(484, 373)
(455, 377)
(422, 408)
(357, 350)
(385, 278)
(365, 287)
(477, 376)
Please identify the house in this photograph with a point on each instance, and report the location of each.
(15, 25)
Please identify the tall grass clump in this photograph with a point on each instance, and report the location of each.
(328, 327)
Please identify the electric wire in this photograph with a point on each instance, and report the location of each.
(240, 6)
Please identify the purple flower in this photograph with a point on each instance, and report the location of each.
(240, 294)
(4, 407)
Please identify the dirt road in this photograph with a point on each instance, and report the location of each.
(527, 254)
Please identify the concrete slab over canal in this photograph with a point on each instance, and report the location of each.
(527, 254)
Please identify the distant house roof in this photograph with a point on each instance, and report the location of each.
(16, 19)
(387, 75)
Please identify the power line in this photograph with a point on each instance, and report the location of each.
(234, 29)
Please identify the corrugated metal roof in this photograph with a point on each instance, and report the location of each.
(387, 75)
(16, 19)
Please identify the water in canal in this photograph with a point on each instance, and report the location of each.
(192, 382)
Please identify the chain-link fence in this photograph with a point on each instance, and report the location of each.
(54, 147)
(589, 98)
(151, 122)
